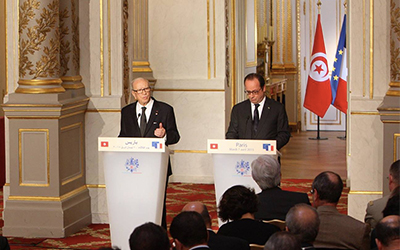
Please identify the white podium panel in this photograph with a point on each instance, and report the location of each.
(232, 162)
(135, 171)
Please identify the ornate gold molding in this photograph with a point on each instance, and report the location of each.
(39, 90)
(40, 82)
(48, 198)
(82, 157)
(366, 192)
(20, 134)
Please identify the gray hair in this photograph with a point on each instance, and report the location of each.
(266, 171)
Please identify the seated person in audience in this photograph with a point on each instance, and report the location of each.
(149, 236)
(336, 230)
(274, 202)
(283, 241)
(217, 242)
(237, 206)
(4, 243)
(189, 231)
(392, 208)
(302, 220)
(388, 233)
(374, 208)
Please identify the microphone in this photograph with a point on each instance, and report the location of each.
(139, 115)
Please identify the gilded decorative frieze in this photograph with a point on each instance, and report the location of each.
(65, 46)
(126, 51)
(75, 37)
(42, 38)
(395, 42)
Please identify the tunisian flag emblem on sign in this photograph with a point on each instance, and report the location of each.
(318, 93)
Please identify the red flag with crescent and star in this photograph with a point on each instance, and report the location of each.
(318, 92)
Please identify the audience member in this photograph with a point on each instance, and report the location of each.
(392, 205)
(374, 208)
(189, 231)
(391, 208)
(238, 205)
(216, 242)
(149, 236)
(336, 230)
(388, 233)
(283, 241)
(274, 202)
(302, 220)
(4, 243)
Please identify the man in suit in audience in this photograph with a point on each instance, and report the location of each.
(148, 117)
(217, 242)
(258, 117)
(388, 233)
(374, 208)
(149, 236)
(274, 202)
(189, 231)
(302, 220)
(336, 230)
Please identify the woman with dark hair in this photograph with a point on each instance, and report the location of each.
(237, 206)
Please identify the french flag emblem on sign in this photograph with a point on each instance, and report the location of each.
(104, 143)
(213, 146)
(268, 147)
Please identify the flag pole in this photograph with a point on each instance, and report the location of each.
(318, 137)
(345, 115)
(318, 120)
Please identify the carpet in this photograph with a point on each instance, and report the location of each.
(96, 236)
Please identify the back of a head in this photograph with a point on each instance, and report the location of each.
(237, 201)
(282, 241)
(149, 236)
(266, 171)
(199, 207)
(388, 230)
(394, 172)
(189, 228)
(303, 221)
(329, 186)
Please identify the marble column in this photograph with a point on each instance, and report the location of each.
(48, 196)
(69, 45)
(139, 40)
(389, 109)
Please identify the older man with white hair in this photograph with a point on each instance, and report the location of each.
(274, 202)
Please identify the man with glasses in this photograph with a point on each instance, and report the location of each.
(148, 117)
(259, 117)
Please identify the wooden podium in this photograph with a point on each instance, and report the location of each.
(135, 171)
(232, 162)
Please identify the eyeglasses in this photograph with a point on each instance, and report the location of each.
(254, 92)
(142, 91)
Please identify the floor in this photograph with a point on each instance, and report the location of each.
(303, 158)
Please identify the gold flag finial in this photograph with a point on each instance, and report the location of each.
(319, 6)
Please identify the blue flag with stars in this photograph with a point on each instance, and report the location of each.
(339, 73)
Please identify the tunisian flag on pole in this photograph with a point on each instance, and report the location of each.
(318, 93)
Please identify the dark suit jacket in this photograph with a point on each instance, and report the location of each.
(221, 242)
(160, 113)
(253, 231)
(275, 203)
(273, 124)
(337, 230)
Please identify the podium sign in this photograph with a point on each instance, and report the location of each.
(232, 162)
(135, 171)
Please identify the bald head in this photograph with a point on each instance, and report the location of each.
(302, 220)
(199, 207)
(388, 232)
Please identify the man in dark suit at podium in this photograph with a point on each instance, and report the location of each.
(259, 117)
(148, 117)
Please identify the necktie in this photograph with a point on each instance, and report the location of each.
(256, 118)
(143, 121)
